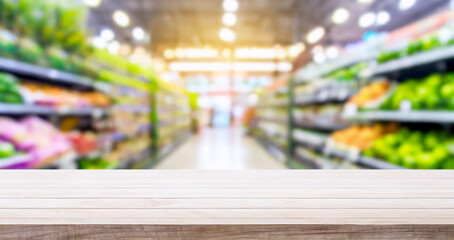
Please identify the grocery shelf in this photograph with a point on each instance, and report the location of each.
(306, 161)
(321, 126)
(21, 160)
(272, 148)
(404, 116)
(20, 109)
(376, 163)
(171, 147)
(274, 120)
(147, 153)
(423, 58)
(37, 72)
(134, 108)
(324, 97)
(274, 105)
(310, 145)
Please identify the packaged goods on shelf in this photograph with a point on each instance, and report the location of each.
(47, 95)
(324, 117)
(37, 138)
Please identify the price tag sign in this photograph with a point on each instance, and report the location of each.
(353, 155)
(406, 106)
(323, 96)
(350, 110)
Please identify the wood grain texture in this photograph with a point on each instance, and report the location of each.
(227, 204)
(227, 232)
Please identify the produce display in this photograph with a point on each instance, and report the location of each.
(129, 149)
(348, 74)
(434, 92)
(417, 46)
(36, 137)
(415, 149)
(95, 163)
(9, 89)
(320, 115)
(52, 34)
(324, 90)
(47, 95)
(370, 93)
(363, 137)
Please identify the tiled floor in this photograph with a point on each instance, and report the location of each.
(221, 148)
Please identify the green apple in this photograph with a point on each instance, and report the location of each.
(427, 161)
(431, 141)
(7, 150)
(434, 80)
(394, 159)
(409, 162)
(447, 90)
(449, 164)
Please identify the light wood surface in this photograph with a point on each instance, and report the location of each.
(227, 197)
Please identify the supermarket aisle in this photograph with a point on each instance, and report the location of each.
(221, 148)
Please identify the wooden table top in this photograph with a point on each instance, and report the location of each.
(227, 197)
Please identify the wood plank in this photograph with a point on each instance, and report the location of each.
(321, 203)
(287, 232)
(227, 197)
(228, 174)
(227, 193)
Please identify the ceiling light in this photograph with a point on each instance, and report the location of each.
(107, 34)
(113, 47)
(365, 1)
(315, 35)
(169, 54)
(318, 49)
(406, 4)
(319, 58)
(92, 3)
(332, 52)
(99, 42)
(121, 18)
(367, 20)
(231, 5)
(229, 19)
(138, 33)
(227, 35)
(383, 18)
(296, 50)
(341, 15)
(227, 53)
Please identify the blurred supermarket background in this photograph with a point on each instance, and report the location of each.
(226, 84)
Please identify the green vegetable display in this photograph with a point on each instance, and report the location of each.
(98, 163)
(435, 92)
(52, 34)
(7, 150)
(415, 149)
(417, 46)
(348, 74)
(9, 89)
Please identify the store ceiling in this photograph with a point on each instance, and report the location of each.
(196, 23)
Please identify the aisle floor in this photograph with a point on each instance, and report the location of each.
(221, 148)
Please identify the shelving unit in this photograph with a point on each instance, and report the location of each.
(271, 122)
(45, 74)
(320, 153)
(88, 114)
(406, 116)
(171, 114)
